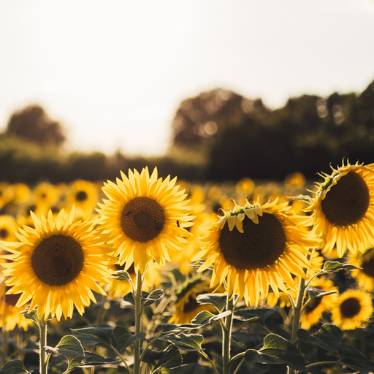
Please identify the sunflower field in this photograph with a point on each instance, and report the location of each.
(145, 275)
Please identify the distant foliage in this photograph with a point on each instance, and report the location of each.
(33, 124)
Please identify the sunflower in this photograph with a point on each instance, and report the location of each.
(83, 195)
(343, 209)
(56, 265)
(255, 246)
(10, 315)
(364, 275)
(8, 226)
(315, 308)
(186, 307)
(145, 217)
(46, 194)
(352, 309)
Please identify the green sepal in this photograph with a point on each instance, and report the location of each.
(121, 275)
(217, 300)
(153, 297)
(185, 342)
(14, 367)
(305, 198)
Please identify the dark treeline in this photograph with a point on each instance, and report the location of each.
(217, 135)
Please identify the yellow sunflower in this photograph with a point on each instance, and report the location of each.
(56, 265)
(84, 195)
(343, 209)
(364, 275)
(8, 226)
(353, 308)
(255, 246)
(10, 315)
(186, 307)
(315, 308)
(146, 218)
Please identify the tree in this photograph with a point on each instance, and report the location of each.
(34, 125)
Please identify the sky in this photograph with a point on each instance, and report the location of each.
(114, 72)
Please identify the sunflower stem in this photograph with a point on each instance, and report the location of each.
(298, 309)
(226, 336)
(43, 360)
(138, 313)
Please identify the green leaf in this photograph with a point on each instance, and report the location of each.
(171, 358)
(90, 336)
(217, 300)
(354, 359)
(185, 342)
(329, 337)
(331, 266)
(129, 297)
(191, 369)
(315, 292)
(205, 317)
(91, 359)
(14, 367)
(253, 356)
(121, 336)
(256, 315)
(153, 297)
(170, 328)
(280, 348)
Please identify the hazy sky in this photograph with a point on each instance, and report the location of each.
(113, 72)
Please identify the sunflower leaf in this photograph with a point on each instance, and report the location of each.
(170, 328)
(131, 340)
(257, 315)
(314, 292)
(129, 297)
(70, 347)
(329, 337)
(121, 337)
(14, 367)
(90, 336)
(332, 266)
(205, 317)
(170, 358)
(185, 342)
(153, 297)
(91, 359)
(217, 300)
(354, 359)
(191, 369)
(277, 350)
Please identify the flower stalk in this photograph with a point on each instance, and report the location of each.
(226, 336)
(138, 314)
(43, 358)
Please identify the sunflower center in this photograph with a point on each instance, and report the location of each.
(346, 202)
(142, 219)
(81, 196)
(368, 267)
(57, 260)
(350, 307)
(190, 305)
(259, 246)
(3, 233)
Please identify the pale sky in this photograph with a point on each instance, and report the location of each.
(114, 72)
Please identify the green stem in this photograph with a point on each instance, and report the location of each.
(322, 363)
(240, 364)
(226, 332)
(138, 313)
(43, 360)
(5, 344)
(297, 310)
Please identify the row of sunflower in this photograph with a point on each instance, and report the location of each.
(165, 272)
